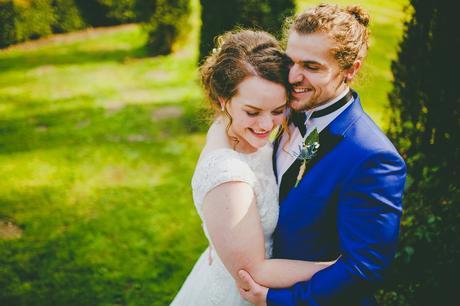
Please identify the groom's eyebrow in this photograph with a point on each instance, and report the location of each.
(306, 63)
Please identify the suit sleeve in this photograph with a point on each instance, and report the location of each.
(368, 216)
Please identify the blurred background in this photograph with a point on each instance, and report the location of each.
(102, 120)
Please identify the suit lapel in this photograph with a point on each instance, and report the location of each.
(327, 142)
(328, 139)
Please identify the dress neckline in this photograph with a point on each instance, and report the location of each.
(258, 151)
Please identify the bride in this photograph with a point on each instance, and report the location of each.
(234, 187)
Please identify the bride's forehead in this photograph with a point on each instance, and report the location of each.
(258, 87)
(259, 101)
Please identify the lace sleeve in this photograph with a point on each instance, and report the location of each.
(218, 167)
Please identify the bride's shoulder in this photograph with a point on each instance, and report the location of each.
(216, 140)
(219, 166)
(217, 155)
(217, 135)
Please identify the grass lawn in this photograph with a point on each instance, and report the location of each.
(98, 144)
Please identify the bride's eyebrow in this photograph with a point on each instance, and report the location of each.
(281, 106)
(259, 109)
(253, 107)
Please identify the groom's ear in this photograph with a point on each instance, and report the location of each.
(352, 71)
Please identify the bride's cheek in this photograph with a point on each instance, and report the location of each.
(279, 119)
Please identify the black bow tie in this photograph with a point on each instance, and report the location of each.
(299, 118)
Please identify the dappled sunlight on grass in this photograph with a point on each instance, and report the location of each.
(94, 140)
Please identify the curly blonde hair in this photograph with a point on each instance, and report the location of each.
(348, 27)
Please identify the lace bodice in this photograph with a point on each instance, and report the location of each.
(225, 165)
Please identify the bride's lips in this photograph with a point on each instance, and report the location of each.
(260, 134)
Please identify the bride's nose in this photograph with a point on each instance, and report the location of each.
(266, 123)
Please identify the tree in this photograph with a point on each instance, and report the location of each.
(168, 20)
(219, 16)
(425, 122)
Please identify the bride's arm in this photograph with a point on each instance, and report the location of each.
(233, 223)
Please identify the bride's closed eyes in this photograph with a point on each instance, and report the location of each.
(278, 111)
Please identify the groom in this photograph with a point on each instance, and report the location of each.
(347, 203)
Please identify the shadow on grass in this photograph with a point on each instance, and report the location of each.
(132, 124)
(27, 61)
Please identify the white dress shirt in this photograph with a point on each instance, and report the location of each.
(285, 159)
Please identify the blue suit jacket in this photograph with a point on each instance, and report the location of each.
(348, 203)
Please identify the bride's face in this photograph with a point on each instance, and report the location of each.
(257, 108)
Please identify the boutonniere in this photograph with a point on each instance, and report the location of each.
(307, 151)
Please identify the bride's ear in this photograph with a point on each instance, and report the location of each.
(222, 103)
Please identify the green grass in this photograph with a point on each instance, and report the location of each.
(98, 178)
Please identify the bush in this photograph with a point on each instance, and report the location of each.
(95, 13)
(34, 19)
(425, 124)
(219, 16)
(168, 21)
(108, 12)
(24, 20)
(67, 16)
(7, 26)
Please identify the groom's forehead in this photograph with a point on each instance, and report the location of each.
(309, 47)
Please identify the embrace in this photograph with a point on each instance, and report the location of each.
(312, 217)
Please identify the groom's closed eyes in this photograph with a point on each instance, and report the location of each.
(308, 65)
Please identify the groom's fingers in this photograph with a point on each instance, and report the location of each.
(248, 295)
(246, 280)
(243, 293)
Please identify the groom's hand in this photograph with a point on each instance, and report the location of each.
(256, 294)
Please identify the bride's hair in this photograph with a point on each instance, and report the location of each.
(240, 54)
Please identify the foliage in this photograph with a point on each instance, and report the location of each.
(67, 16)
(107, 12)
(219, 16)
(425, 124)
(24, 20)
(168, 21)
(7, 26)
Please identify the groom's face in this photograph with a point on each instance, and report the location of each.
(315, 74)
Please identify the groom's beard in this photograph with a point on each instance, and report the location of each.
(318, 98)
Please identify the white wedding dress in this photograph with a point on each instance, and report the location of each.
(211, 284)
